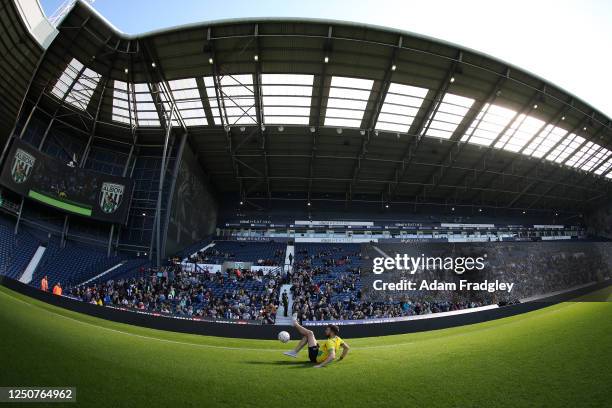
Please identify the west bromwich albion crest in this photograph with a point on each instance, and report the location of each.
(23, 164)
(111, 197)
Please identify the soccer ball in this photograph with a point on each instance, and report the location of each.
(283, 337)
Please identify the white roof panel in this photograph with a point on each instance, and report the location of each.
(121, 103)
(347, 101)
(401, 105)
(565, 149)
(489, 123)
(449, 115)
(545, 141)
(286, 98)
(237, 94)
(83, 87)
(188, 102)
(520, 132)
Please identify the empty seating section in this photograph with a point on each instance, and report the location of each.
(72, 264)
(6, 244)
(129, 268)
(260, 253)
(16, 251)
(192, 249)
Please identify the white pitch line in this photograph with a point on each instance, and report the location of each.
(242, 348)
(133, 334)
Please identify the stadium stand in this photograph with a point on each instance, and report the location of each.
(328, 281)
(15, 250)
(244, 295)
(73, 264)
(205, 232)
(260, 253)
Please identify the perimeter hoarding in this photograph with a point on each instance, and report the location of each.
(45, 179)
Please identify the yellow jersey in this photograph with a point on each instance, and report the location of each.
(326, 347)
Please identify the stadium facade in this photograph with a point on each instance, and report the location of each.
(237, 143)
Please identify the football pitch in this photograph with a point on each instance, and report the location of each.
(556, 356)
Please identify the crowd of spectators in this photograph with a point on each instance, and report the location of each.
(319, 276)
(328, 284)
(240, 294)
(534, 268)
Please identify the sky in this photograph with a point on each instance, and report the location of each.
(568, 43)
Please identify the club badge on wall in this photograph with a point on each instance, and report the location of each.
(23, 163)
(111, 195)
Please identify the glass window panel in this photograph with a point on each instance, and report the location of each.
(488, 125)
(449, 115)
(82, 88)
(582, 154)
(604, 168)
(286, 101)
(67, 78)
(347, 101)
(121, 102)
(146, 112)
(400, 106)
(565, 148)
(343, 122)
(284, 120)
(545, 141)
(188, 102)
(596, 159)
(238, 96)
(522, 130)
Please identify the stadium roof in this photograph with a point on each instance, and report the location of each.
(328, 110)
(20, 55)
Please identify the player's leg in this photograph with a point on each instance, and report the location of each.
(308, 337)
(303, 341)
(308, 334)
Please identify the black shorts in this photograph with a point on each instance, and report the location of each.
(313, 353)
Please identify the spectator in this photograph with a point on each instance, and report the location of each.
(285, 303)
(44, 284)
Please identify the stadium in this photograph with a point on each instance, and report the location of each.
(172, 201)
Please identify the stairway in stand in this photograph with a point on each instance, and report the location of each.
(280, 314)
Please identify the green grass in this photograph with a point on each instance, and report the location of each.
(557, 356)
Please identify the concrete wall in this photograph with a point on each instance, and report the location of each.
(194, 207)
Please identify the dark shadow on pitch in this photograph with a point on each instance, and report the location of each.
(286, 363)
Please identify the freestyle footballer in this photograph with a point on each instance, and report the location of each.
(320, 354)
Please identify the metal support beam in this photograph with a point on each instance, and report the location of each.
(553, 185)
(511, 164)
(386, 182)
(490, 151)
(64, 232)
(317, 109)
(9, 139)
(161, 188)
(371, 122)
(258, 96)
(454, 152)
(92, 134)
(435, 165)
(16, 230)
(110, 240)
(175, 173)
(419, 127)
(539, 162)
